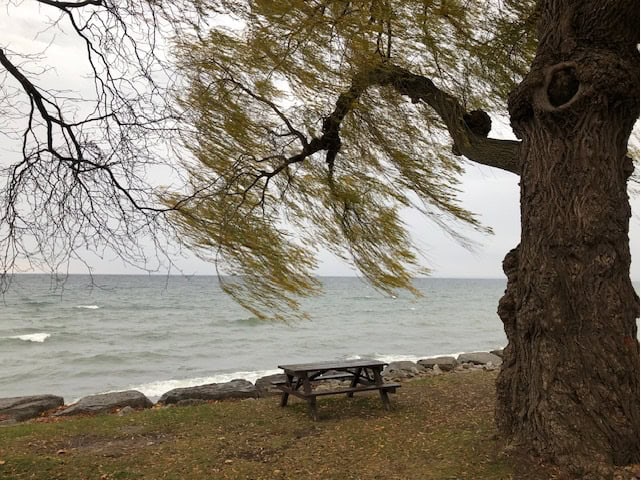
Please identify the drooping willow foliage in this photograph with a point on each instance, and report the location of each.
(318, 122)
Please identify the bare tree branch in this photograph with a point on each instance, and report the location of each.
(64, 5)
(83, 179)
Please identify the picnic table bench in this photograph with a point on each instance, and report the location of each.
(363, 374)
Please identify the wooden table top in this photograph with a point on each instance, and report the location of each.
(338, 365)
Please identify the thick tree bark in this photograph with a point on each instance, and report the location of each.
(569, 387)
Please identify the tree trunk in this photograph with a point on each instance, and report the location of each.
(569, 387)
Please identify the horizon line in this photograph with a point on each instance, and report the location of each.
(157, 274)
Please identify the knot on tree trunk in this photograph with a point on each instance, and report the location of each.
(507, 303)
(562, 85)
(511, 263)
(479, 122)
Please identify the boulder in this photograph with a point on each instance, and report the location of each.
(236, 389)
(497, 352)
(126, 411)
(265, 387)
(479, 358)
(13, 409)
(108, 402)
(190, 402)
(401, 369)
(446, 363)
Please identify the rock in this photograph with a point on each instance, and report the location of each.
(100, 403)
(265, 387)
(479, 358)
(236, 389)
(126, 410)
(15, 409)
(446, 363)
(497, 352)
(401, 369)
(190, 402)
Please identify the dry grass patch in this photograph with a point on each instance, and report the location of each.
(441, 427)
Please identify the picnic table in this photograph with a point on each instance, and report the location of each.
(363, 374)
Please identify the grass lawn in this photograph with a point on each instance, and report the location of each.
(440, 427)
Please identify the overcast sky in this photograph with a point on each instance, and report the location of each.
(490, 193)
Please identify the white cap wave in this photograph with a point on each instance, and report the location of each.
(35, 337)
(158, 388)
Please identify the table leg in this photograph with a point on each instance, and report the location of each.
(285, 396)
(355, 379)
(311, 400)
(378, 379)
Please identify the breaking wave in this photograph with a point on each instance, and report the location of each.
(153, 390)
(35, 337)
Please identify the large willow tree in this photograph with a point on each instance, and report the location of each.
(317, 122)
(314, 123)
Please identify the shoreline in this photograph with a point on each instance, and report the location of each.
(24, 408)
(155, 389)
(145, 334)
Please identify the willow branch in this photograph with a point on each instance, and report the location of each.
(502, 154)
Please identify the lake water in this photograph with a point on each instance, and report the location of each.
(155, 333)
